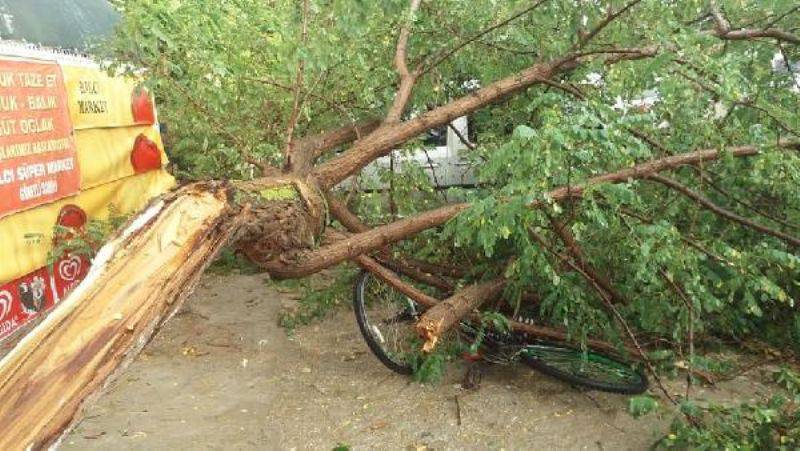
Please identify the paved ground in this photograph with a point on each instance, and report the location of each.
(223, 375)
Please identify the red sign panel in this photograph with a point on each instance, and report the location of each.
(33, 295)
(38, 161)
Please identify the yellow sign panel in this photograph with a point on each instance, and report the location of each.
(98, 100)
(28, 236)
(108, 154)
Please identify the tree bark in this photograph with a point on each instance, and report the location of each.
(352, 223)
(308, 149)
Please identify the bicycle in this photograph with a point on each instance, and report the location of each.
(387, 317)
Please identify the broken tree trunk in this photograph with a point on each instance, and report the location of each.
(442, 317)
(138, 280)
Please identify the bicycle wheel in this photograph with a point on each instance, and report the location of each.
(590, 369)
(386, 319)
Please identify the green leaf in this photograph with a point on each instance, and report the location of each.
(639, 406)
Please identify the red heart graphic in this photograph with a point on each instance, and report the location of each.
(145, 155)
(142, 107)
(72, 216)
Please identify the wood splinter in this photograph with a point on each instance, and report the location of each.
(443, 316)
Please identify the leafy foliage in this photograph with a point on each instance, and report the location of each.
(226, 82)
(770, 424)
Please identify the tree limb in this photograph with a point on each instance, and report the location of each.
(307, 262)
(719, 211)
(407, 78)
(394, 281)
(722, 29)
(298, 89)
(612, 15)
(388, 137)
(443, 56)
(528, 330)
(339, 211)
(307, 149)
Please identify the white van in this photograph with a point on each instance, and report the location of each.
(442, 157)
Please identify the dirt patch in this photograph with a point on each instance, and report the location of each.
(223, 375)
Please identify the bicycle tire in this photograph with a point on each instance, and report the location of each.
(637, 381)
(367, 331)
(542, 356)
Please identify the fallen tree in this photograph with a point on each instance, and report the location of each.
(137, 282)
(280, 220)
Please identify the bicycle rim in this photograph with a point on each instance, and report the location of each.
(590, 369)
(386, 319)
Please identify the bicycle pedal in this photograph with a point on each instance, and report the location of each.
(472, 378)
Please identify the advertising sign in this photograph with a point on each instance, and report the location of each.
(76, 145)
(38, 159)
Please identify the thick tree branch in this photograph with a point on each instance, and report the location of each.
(644, 170)
(308, 262)
(342, 214)
(529, 330)
(307, 149)
(719, 211)
(323, 142)
(722, 29)
(395, 282)
(387, 138)
(383, 140)
(340, 211)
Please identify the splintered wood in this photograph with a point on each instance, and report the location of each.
(443, 316)
(137, 282)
